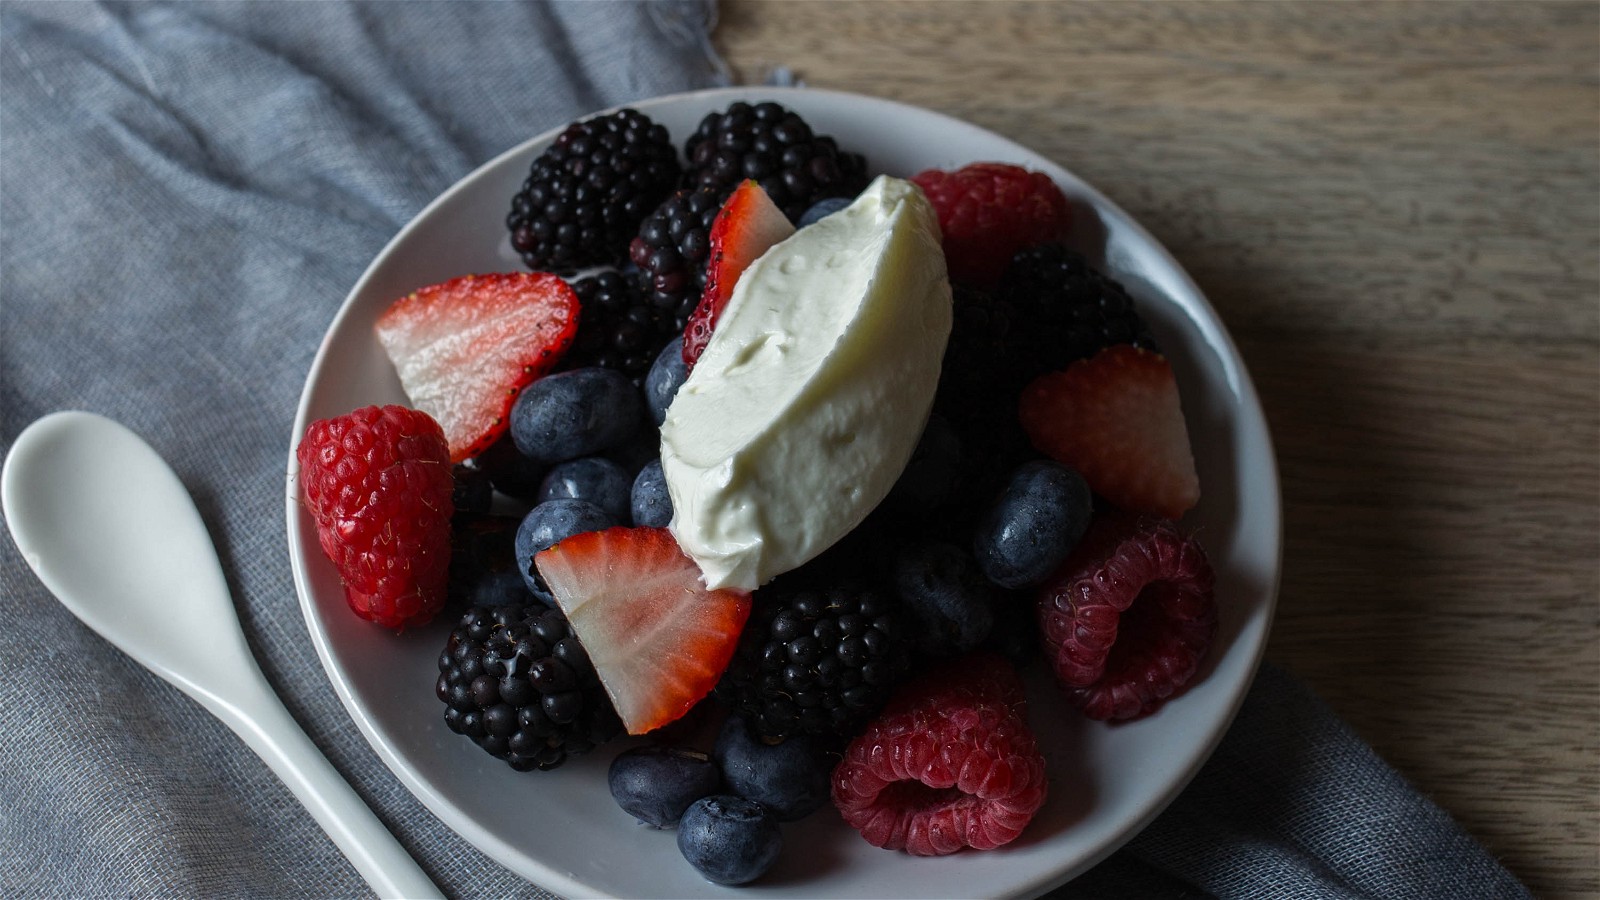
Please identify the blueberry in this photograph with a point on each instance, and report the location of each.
(667, 374)
(821, 209)
(1030, 528)
(582, 412)
(593, 478)
(634, 454)
(949, 598)
(656, 784)
(509, 471)
(729, 840)
(789, 778)
(544, 526)
(499, 587)
(930, 477)
(473, 492)
(483, 561)
(652, 505)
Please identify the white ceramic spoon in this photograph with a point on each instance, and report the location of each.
(112, 532)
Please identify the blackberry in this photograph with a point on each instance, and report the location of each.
(1066, 311)
(776, 147)
(928, 482)
(979, 381)
(978, 368)
(816, 660)
(671, 250)
(585, 196)
(620, 327)
(515, 680)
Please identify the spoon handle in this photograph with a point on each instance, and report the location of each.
(256, 714)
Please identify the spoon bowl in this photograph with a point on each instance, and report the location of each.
(111, 531)
(113, 534)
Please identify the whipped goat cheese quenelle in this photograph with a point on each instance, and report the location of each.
(814, 388)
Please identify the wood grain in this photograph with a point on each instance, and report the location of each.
(1396, 209)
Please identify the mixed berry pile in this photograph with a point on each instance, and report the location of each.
(523, 495)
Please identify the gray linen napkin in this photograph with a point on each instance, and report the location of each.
(187, 192)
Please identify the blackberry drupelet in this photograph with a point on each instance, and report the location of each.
(516, 681)
(620, 326)
(671, 250)
(776, 147)
(585, 196)
(1066, 310)
(816, 660)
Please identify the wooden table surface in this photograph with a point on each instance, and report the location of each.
(1396, 209)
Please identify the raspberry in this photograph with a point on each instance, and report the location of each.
(1128, 617)
(950, 763)
(378, 484)
(988, 212)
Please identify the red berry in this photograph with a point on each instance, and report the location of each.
(378, 484)
(1116, 418)
(950, 763)
(746, 226)
(1128, 617)
(464, 349)
(658, 638)
(988, 212)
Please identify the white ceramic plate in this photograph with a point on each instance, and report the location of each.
(561, 829)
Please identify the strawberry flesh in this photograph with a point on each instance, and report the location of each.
(658, 638)
(747, 225)
(1116, 418)
(465, 348)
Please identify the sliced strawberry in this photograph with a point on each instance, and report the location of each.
(658, 639)
(1115, 417)
(464, 349)
(748, 223)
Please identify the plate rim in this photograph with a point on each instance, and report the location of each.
(1210, 325)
